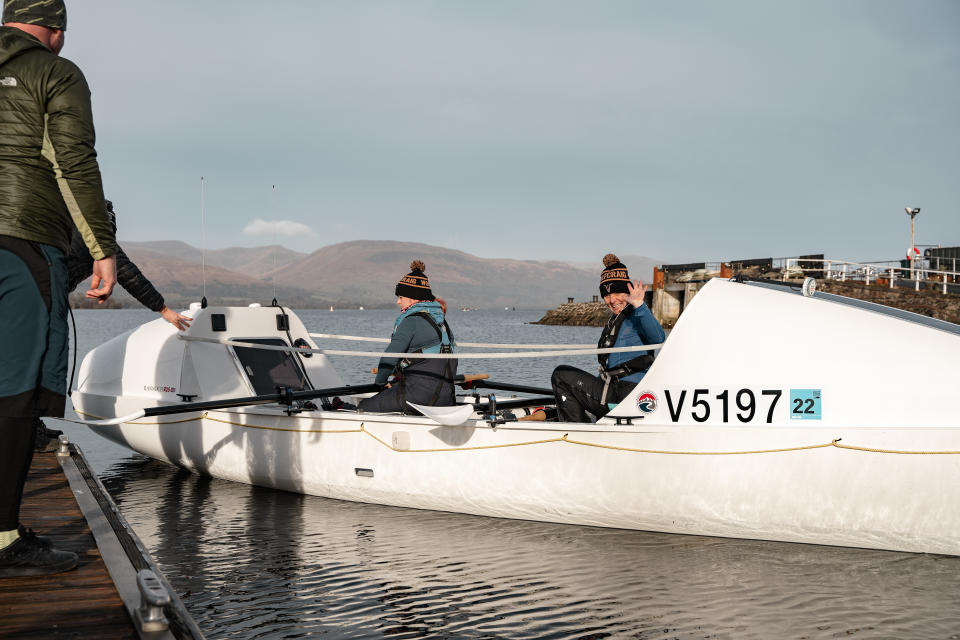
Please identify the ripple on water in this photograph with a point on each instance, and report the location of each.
(252, 562)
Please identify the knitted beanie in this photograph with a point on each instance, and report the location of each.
(45, 13)
(614, 278)
(415, 284)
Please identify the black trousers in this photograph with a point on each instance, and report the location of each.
(428, 383)
(16, 453)
(578, 392)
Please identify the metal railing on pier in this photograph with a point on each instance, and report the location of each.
(892, 273)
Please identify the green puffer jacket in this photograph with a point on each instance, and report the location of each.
(49, 177)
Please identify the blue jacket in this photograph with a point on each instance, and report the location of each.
(640, 327)
(412, 333)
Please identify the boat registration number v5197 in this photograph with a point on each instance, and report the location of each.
(741, 405)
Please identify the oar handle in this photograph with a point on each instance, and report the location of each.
(539, 415)
(521, 403)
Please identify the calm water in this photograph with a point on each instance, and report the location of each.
(257, 563)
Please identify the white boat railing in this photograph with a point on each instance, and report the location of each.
(559, 353)
(472, 345)
(844, 270)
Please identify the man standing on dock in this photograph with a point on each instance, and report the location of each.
(49, 183)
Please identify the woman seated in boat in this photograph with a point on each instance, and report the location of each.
(578, 392)
(420, 328)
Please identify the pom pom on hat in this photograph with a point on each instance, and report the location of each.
(610, 259)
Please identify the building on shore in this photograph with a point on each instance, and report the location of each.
(929, 286)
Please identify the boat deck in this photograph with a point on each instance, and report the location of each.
(84, 602)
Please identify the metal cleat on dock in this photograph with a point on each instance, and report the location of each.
(64, 448)
(153, 598)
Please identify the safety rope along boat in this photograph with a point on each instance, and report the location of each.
(768, 414)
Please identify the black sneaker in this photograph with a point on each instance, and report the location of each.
(47, 439)
(32, 555)
(23, 531)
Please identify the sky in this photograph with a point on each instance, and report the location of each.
(684, 131)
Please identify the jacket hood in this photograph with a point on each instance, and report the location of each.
(14, 42)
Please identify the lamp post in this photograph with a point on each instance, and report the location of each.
(912, 212)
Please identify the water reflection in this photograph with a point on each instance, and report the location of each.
(259, 563)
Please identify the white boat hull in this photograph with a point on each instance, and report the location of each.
(726, 449)
(824, 495)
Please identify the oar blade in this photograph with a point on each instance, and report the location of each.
(447, 416)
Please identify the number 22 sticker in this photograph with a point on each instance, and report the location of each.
(805, 404)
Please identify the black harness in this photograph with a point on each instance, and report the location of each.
(403, 367)
(608, 339)
(444, 348)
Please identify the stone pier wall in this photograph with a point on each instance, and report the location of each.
(577, 314)
(668, 304)
(928, 303)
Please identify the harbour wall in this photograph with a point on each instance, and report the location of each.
(930, 303)
(669, 301)
(577, 314)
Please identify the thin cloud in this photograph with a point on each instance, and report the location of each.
(261, 228)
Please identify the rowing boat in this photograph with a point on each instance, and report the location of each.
(769, 413)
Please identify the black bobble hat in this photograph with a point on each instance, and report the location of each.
(44, 13)
(415, 284)
(614, 278)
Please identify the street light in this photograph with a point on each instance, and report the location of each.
(911, 252)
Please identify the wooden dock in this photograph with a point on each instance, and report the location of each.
(85, 602)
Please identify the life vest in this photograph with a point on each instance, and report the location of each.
(444, 334)
(608, 339)
(441, 371)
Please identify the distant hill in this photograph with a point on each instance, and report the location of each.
(251, 261)
(180, 281)
(368, 271)
(362, 272)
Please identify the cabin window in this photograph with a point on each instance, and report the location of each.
(268, 370)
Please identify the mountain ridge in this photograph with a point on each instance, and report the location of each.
(359, 272)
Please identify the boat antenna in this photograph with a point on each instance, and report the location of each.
(273, 212)
(203, 248)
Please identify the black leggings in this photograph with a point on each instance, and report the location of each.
(577, 392)
(16, 453)
(429, 383)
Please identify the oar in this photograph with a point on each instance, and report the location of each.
(286, 397)
(525, 402)
(466, 378)
(506, 386)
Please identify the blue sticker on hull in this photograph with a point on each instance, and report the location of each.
(805, 404)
